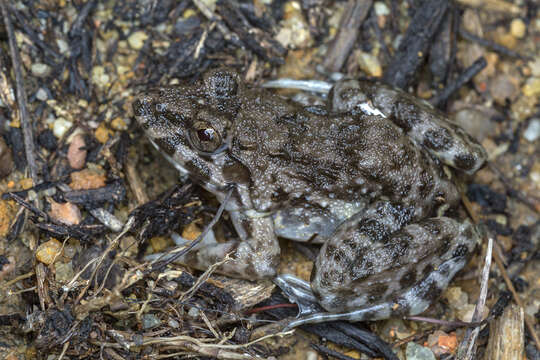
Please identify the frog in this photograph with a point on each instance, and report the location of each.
(369, 175)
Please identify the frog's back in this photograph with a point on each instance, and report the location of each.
(302, 151)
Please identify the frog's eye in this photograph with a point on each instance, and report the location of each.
(204, 137)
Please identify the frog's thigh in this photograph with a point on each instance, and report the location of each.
(257, 256)
(356, 268)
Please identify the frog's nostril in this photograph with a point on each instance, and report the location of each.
(137, 107)
(141, 105)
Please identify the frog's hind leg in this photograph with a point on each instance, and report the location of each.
(417, 118)
(414, 301)
(401, 273)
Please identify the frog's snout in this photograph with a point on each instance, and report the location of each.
(142, 106)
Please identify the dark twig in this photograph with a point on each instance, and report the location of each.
(329, 332)
(503, 50)
(21, 96)
(329, 352)
(223, 29)
(462, 79)
(353, 16)
(371, 340)
(415, 44)
(28, 206)
(34, 37)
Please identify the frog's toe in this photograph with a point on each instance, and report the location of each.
(299, 292)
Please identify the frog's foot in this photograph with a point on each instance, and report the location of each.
(413, 302)
(299, 292)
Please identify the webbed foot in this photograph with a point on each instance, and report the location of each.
(413, 302)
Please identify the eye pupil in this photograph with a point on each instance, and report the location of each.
(206, 134)
(204, 137)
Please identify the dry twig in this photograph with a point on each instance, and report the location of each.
(22, 100)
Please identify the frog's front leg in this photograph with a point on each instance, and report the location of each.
(254, 256)
(418, 119)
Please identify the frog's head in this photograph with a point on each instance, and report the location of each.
(191, 124)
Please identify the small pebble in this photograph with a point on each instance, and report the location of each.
(518, 28)
(475, 123)
(119, 124)
(100, 77)
(137, 39)
(40, 69)
(471, 22)
(501, 219)
(503, 88)
(49, 251)
(210, 4)
(87, 179)
(442, 343)
(26, 183)
(532, 133)
(395, 328)
(417, 352)
(369, 64)
(6, 160)
(535, 66)
(41, 94)
(173, 323)
(160, 243)
(150, 321)
(60, 126)
(102, 133)
(381, 9)
(294, 30)
(191, 231)
(456, 297)
(532, 87)
(524, 107)
(66, 213)
(63, 272)
(70, 250)
(466, 313)
(193, 312)
(76, 153)
(505, 38)
(63, 46)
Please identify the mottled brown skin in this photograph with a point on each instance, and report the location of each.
(366, 186)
